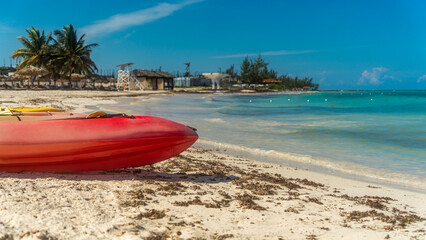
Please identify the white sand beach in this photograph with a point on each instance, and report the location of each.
(200, 194)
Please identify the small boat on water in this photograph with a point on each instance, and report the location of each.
(100, 142)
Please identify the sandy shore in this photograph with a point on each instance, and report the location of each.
(200, 194)
(67, 100)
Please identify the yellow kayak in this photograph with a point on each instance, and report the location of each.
(34, 109)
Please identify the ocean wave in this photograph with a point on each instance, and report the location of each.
(215, 120)
(345, 168)
(314, 123)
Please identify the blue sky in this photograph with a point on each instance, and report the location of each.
(341, 44)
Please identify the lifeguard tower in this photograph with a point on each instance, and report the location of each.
(126, 80)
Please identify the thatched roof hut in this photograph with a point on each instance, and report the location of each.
(154, 80)
(151, 74)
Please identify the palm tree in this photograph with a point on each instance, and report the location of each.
(72, 53)
(36, 51)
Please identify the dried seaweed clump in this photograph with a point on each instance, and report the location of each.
(172, 188)
(151, 214)
(224, 236)
(276, 179)
(197, 201)
(246, 201)
(399, 219)
(256, 187)
(314, 200)
(309, 183)
(218, 204)
(134, 199)
(371, 201)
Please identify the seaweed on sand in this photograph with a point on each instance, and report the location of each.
(151, 214)
(247, 201)
(397, 220)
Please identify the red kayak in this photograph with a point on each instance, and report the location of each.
(90, 144)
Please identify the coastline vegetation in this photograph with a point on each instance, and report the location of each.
(255, 71)
(61, 56)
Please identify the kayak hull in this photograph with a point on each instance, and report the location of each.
(41, 116)
(91, 144)
(34, 109)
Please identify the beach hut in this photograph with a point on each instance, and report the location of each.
(268, 81)
(154, 80)
(196, 81)
(183, 82)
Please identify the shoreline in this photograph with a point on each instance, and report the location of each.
(203, 192)
(347, 170)
(90, 101)
(404, 181)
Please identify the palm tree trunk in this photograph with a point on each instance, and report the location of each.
(70, 80)
(54, 81)
(32, 80)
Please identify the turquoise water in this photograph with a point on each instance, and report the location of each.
(376, 133)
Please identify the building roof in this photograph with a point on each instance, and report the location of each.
(125, 65)
(271, 81)
(151, 74)
(7, 69)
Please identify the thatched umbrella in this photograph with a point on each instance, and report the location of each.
(4, 78)
(97, 77)
(45, 78)
(32, 72)
(17, 77)
(77, 77)
(63, 79)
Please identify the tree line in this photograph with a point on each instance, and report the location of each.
(62, 53)
(255, 70)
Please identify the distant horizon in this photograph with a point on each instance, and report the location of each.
(360, 45)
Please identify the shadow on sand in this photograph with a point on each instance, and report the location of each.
(133, 174)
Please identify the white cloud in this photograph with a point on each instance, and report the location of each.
(123, 21)
(129, 34)
(6, 29)
(272, 53)
(421, 79)
(375, 76)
